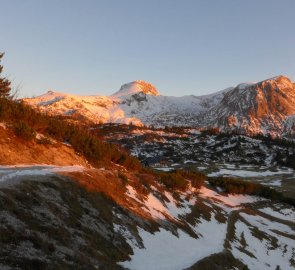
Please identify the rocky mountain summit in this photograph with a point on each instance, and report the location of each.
(264, 107)
(137, 87)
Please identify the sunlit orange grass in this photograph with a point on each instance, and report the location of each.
(108, 182)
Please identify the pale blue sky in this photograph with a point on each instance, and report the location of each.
(182, 47)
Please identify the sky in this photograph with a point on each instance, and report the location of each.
(92, 47)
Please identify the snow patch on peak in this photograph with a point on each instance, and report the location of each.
(136, 87)
(243, 86)
(49, 98)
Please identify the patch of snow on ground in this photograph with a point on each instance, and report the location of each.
(155, 207)
(164, 169)
(3, 125)
(40, 136)
(244, 173)
(285, 214)
(265, 257)
(232, 200)
(189, 161)
(268, 226)
(10, 172)
(131, 192)
(165, 251)
(177, 210)
(20, 173)
(276, 183)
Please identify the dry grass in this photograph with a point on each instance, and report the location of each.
(15, 150)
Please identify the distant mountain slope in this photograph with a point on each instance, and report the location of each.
(138, 102)
(266, 107)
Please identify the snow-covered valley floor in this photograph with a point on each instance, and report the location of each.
(229, 222)
(192, 225)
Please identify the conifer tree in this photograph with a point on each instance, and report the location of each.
(5, 84)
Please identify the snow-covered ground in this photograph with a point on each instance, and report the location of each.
(231, 200)
(16, 171)
(165, 251)
(250, 173)
(173, 247)
(264, 253)
(281, 213)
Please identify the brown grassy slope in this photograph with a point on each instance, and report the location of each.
(110, 183)
(14, 150)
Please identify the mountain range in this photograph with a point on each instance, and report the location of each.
(266, 107)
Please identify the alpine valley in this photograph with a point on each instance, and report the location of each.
(141, 181)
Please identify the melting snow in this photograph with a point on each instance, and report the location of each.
(155, 207)
(3, 125)
(232, 200)
(165, 251)
(245, 173)
(10, 172)
(165, 169)
(285, 214)
(265, 256)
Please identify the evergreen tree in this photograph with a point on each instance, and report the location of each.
(5, 87)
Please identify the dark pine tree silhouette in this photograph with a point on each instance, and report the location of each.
(5, 84)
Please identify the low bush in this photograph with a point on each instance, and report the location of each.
(23, 130)
(44, 140)
(60, 129)
(181, 179)
(236, 186)
(123, 177)
(174, 180)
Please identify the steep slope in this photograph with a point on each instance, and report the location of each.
(42, 150)
(92, 219)
(264, 107)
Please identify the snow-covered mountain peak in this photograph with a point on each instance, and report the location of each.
(49, 98)
(136, 87)
(265, 107)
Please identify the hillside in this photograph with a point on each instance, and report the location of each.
(93, 219)
(266, 107)
(36, 151)
(111, 213)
